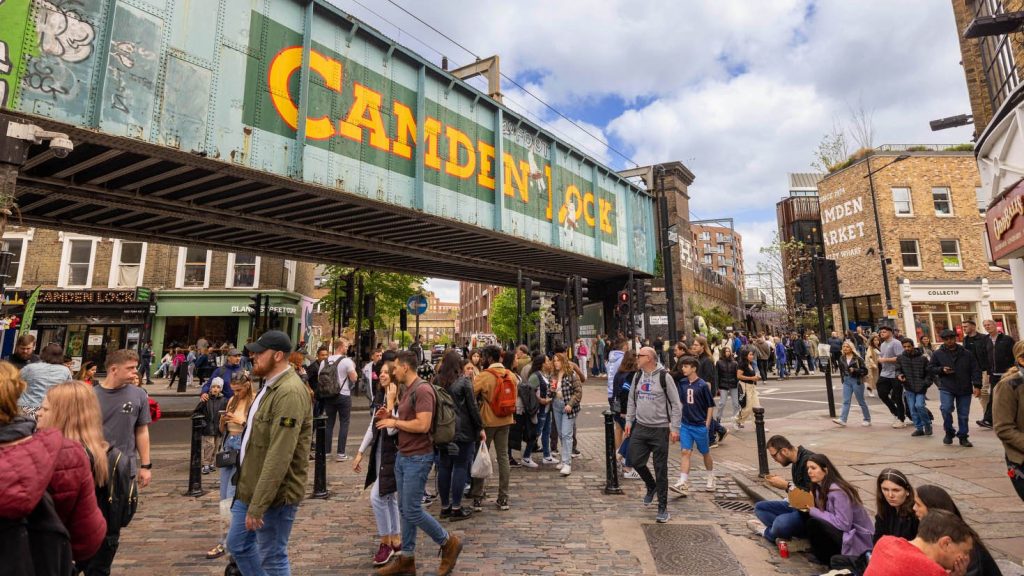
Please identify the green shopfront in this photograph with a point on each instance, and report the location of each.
(220, 316)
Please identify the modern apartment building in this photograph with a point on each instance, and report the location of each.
(474, 306)
(720, 248)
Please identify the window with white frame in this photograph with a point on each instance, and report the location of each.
(77, 258)
(16, 246)
(193, 268)
(127, 264)
(911, 254)
(982, 198)
(943, 201)
(243, 270)
(951, 254)
(707, 259)
(901, 202)
(290, 269)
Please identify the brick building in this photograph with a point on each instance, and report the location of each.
(720, 249)
(474, 306)
(440, 320)
(991, 47)
(100, 294)
(932, 230)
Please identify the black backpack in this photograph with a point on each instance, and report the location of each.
(38, 544)
(327, 383)
(119, 499)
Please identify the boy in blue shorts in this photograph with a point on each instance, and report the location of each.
(698, 408)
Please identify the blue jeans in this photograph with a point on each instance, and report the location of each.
(453, 474)
(411, 474)
(227, 489)
(782, 521)
(918, 410)
(543, 433)
(264, 551)
(854, 387)
(565, 424)
(780, 365)
(963, 409)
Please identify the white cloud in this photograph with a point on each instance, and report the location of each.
(739, 91)
(445, 290)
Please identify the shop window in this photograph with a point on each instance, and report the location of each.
(193, 268)
(982, 198)
(911, 254)
(76, 261)
(901, 202)
(950, 254)
(128, 262)
(243, 270)
(16, 246)
(943, 202)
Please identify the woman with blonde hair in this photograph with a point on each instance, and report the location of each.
(871, 363)
(42, 464)
(568, 393)
(852, 371)
(232, 424)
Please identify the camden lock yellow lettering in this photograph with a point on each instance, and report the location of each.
(466, 159)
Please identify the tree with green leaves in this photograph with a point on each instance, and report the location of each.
(392, 289)
(504, 315)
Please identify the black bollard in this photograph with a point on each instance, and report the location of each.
(762, 443)
(195, 462)
(611, 472)
(320, 458)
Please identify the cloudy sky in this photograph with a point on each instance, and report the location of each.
(741, 91)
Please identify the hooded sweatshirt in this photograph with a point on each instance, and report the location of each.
(614, 359)
(650, 403)
(47, 461)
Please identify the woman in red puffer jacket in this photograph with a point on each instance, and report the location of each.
(32, 463)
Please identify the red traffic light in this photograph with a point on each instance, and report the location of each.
(623, 296)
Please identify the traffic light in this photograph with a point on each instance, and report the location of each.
(622, 305)
(561, 306)
(531, 298)
(806, 294)
(828, 272)
(369, 305)
(582, 291)
(348, 289)
(256, 307)
(403, 320)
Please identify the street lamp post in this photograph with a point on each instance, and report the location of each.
(878, 227)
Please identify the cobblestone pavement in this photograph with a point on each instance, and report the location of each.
(556, 526)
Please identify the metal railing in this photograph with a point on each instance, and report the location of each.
(998, 65)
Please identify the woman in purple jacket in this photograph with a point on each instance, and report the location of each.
(838, 523)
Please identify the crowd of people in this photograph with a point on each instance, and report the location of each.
(914, 531)
(451, 417)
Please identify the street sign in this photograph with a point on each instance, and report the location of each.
(416, 304)
(893, 313)
(658, 320)
(673, 235)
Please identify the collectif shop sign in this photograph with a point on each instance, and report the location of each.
(1004, 224)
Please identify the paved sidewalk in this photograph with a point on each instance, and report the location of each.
(556, 526)
(974, 477)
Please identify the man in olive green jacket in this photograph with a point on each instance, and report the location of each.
(273, 461)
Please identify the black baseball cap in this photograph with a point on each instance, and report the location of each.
(272, 340)
(947, 333)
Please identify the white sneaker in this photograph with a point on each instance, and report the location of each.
(871, 392)
(528, 462)
(899, 424)
(631, 475)
(550, 460)
(681, 488)
(710, 486)
(866, 423)
(756, 527)
(340, 458)
(839, 422)
(566, 470)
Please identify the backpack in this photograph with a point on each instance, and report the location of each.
(327, 384)
(528, 399)
(37, 544)
(503, 396)
(444, 421)
(119, 499)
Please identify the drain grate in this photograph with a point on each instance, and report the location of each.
(735, 505)
(690, 550)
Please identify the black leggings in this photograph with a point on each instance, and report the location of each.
(825, 539)
(890, 392)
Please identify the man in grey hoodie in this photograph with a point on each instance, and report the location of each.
(652, 417)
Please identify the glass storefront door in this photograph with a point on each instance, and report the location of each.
(1005, 316)
(931, 318)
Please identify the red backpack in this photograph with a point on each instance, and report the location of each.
(503, 396)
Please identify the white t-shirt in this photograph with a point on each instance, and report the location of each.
(344, 368)
(252, 414)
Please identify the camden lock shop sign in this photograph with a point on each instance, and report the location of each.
(1004, 224)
